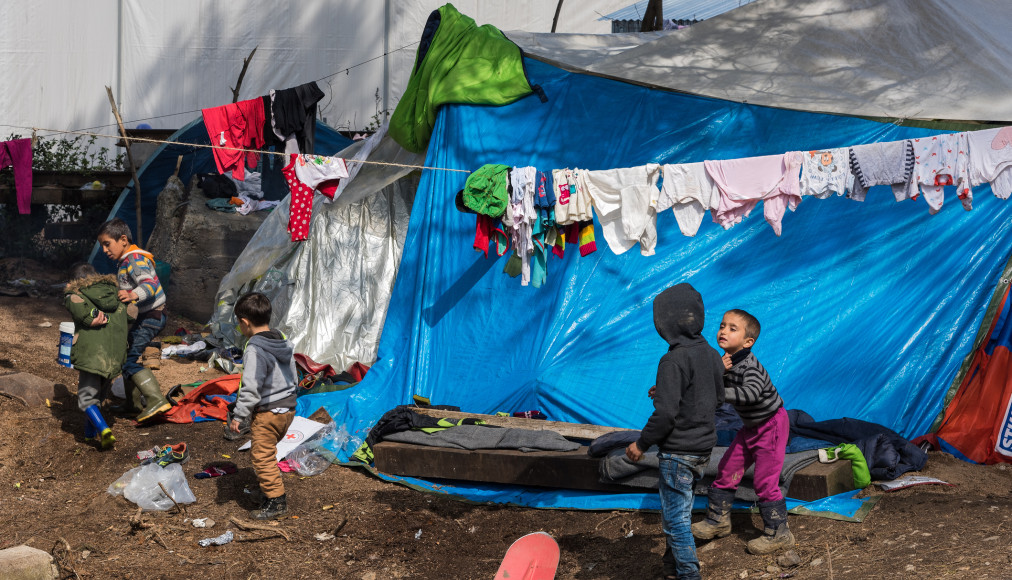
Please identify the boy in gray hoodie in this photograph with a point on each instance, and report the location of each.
(266, 396)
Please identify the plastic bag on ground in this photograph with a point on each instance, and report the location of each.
(314, 455)
(144, 490)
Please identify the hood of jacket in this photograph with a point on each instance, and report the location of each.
(100, 289)
(273, 343)
(678, 315)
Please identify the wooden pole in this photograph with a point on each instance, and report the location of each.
(133, 170)
(653, 17)
(242, 73)
(555, 21)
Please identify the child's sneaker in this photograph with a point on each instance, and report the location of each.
(172, 454)
(272, 508)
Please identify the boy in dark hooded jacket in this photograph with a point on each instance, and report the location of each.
(689, 389)
(100, 345)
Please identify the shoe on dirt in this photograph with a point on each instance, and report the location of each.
(172, 454)
(272, 508)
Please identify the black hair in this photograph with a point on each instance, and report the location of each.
(254, 307)
(752, 327)
(82, 270)
(115, 229)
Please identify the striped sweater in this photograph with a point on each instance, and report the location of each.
(748, 387)
(137, 273)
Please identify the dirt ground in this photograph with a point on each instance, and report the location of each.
(53, 497)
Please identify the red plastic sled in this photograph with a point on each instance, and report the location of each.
(532, 557)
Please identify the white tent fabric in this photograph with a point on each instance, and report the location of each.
(893, 59)
(330, 293)
(165, 60)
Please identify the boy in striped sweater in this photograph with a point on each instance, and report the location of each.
(138, 284)
(762, 440)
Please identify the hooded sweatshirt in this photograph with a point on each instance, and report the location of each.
(99, 350)
(268, 375)
(690, 378)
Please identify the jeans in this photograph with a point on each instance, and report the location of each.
(143, 330)
(679, 475)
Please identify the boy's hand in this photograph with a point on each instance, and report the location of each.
(727, 361)
(127, 295)
(633, 452)
(99, 319)
(652, 392)
(234, 425)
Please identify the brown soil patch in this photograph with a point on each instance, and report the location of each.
(53, 489)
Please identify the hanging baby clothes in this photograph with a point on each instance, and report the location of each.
(579, 233)
(17, 153)
(572, 201)
(991, 159)
(889, 163)
(489, 229)
(939, 161)
(826, 172)
(544, 193)
(520, 216)
(294, 116)
(300, 205)
(321, 173)
(774, 179)
(690, 192)
(625, 200)
(235, 126)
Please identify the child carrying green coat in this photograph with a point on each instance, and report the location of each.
(100, 345)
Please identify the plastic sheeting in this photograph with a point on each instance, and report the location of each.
(330, 293)
(867, 308)
(894, 59)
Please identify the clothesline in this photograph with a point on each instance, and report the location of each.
(345, 70)
(237, 149)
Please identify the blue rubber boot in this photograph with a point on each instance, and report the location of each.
(90, 433)
(98, 423)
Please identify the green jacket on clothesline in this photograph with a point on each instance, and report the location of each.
(457, 62)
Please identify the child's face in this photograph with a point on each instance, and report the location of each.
(113, 247)
(731, 336)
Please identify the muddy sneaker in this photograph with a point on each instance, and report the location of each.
(172, 454)
(273, 507)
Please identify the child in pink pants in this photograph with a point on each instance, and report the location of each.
(762, 440)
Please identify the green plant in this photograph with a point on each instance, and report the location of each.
(379, 117)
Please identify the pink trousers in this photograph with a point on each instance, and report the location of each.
(763, 445)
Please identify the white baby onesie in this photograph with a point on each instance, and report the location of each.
(826, 172)
(991, 159)
(322, 173)
(690, 192)
(625, 201)
(572, 202)
(939, 161)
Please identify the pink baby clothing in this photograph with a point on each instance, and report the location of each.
(826, 172)
(18, 154)
(939, 161)
(625, 200)
(233, 127)
(991, 159)
(690, 192)
(774, 179)
(300, 203)
(321, 173)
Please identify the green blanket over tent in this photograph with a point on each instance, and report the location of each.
(457, 62)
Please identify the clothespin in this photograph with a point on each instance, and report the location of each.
(35, 138)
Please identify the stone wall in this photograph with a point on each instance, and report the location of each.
(199, 244)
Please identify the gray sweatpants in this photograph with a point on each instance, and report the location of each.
(91, 389)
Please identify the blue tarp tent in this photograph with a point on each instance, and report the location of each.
(162, 163)
(867, 308)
